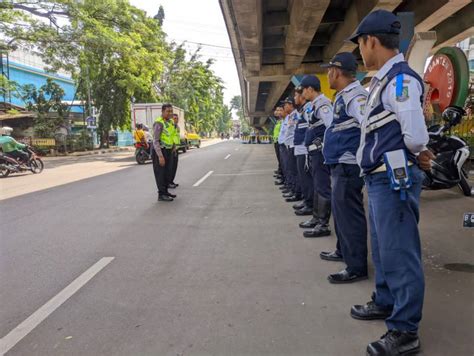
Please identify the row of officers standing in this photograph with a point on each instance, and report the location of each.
(328, 151)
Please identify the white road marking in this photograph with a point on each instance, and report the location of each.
(14, 336)
(226, 157)
(198, 183)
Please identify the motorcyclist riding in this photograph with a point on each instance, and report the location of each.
(12, 148)
(139, 135)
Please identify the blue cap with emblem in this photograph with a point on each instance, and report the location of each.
(289, 100)
(343, 60)
(378, 21)
(311, 81)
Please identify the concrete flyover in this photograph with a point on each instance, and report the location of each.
(274, 40)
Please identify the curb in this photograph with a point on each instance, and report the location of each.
(97, 152)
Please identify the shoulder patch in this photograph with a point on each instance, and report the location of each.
(401, 91)
(404, 95)
(361, 99)
(325, 109)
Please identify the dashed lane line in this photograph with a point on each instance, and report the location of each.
(199, 182)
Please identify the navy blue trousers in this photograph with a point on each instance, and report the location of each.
(277, 153)
(284, 162)
(396, 249)
(347, 203)
(321, 175)
(293, 172)
(305, 180)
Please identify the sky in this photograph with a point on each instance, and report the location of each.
(199, 21)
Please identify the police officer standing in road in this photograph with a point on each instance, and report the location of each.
(341, 142)
(302, 160)
(174, 152)
(162, 156)
(393, 144)
(320, 117)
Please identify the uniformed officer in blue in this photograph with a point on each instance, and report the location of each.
(392, 148)
(302, 159)
(320, 117)
(283, 150)
(341, 142)
(294, 193)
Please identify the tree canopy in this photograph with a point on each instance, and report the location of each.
(116, 54)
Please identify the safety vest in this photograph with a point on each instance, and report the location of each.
(382, 132)
(167, 134)
(342, 138)
(176, 136)
(276, 131)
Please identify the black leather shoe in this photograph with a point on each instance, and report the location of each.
(346, 277)
(288, 195)
(318, 231)
(279, 182)
(331, 256)
(165, 198)
(173, 186)
(309, 224)
(171, 195)
(292, 199)
(370, 311)
(299, 206)
(283, 187)
(304, 211)
(395, 343)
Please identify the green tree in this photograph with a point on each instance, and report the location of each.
(115, 53)
(225, 121)
(192, 85)
(113, 50)
(122, 58)
(46, 102)
(236, 104)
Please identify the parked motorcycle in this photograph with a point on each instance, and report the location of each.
(10, 165)
(449, 167)
(142, 153)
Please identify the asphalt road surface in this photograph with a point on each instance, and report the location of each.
(96, 266)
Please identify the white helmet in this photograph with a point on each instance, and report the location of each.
(6, 131)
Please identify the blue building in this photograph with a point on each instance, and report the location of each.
(24, 67)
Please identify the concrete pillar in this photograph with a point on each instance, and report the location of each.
(305, 17)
